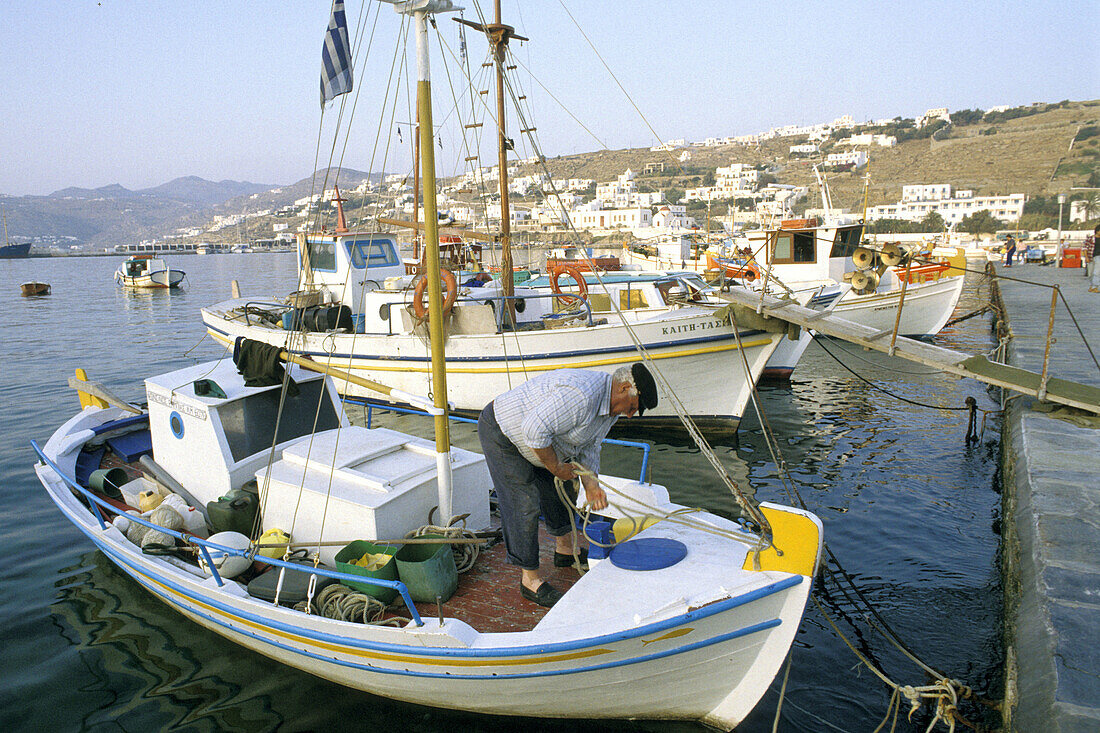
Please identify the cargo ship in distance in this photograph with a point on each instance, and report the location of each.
(15, 251)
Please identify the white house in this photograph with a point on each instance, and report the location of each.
(612, 218)
(855, 159)
(939, 113)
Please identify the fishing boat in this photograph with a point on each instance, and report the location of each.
(879, 280)
(689, 616)
(34, 288)
(147, 271)
(496, 338)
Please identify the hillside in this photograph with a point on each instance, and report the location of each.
(1029, 155)
(1026, 150)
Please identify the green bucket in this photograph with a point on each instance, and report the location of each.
(356, 550)
(108, 481)
(428, 570)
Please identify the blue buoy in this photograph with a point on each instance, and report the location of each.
(648, 553)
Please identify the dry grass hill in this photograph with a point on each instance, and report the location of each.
(1031, 155)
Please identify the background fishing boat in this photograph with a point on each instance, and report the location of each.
(146, 271)
(34, 288)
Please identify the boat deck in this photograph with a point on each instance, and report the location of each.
(488, 596)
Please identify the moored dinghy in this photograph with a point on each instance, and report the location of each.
(34, 288)
(697, 635)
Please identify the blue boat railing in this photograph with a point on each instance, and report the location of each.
(371, 406)
(204, 545)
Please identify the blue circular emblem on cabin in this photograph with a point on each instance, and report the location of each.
(176, 423)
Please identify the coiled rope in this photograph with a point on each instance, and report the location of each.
(344, 604)
(465, 554)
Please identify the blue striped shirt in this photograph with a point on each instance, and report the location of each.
(569, 409)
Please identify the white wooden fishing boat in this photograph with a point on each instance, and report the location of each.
(146, 271)
(701, 639)
(379, 337)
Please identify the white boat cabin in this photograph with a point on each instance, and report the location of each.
(340, 481)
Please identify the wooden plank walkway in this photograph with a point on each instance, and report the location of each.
(981, 368)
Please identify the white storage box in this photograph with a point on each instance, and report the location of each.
(359, 484)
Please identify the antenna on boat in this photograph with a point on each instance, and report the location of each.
(419, 10)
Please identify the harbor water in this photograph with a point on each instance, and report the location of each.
(875, 446)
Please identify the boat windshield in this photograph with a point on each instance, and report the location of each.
(794, 247)
(371, 253)
(322, 254)
(847, 239)
(249, 423)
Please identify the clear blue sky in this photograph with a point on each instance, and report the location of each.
(97, 92)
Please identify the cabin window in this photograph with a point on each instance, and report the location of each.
(322, 255)
(630, 298)
(847, 239)
(794, 248)
(249, 423)
(372, 253)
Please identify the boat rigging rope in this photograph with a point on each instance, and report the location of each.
(677, 516)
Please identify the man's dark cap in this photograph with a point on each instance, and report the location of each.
(647, 388)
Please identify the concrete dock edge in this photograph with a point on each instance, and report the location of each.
(1051, 514)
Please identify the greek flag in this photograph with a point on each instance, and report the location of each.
(335, 56)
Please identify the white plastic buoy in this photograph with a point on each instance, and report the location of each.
(229, 566)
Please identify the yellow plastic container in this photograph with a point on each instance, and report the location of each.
(274, 536)
(149, 500)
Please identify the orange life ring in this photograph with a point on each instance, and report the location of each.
(450, 286)
(573, 272)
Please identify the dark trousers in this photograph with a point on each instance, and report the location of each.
(523, 489)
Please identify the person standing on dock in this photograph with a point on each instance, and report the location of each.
(1010, 250)
(1094, 262)
(531, 434)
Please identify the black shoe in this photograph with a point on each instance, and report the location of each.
(547, 595)
(565, 560)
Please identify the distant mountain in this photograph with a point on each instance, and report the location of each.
(189, 189)
(114, 191)
(109, 215)
(200, 191)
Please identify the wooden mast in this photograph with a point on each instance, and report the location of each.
(499, 35)
(419, 10)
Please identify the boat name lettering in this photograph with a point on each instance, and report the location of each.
(689, 327)
(184, 408)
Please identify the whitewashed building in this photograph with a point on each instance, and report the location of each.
(631, 218)
(918, 201)
(855, 159)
